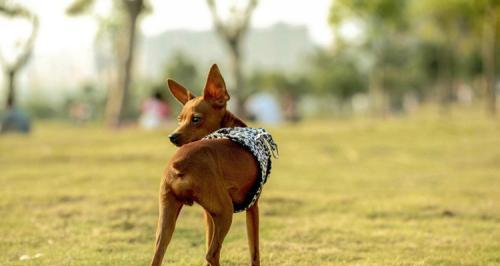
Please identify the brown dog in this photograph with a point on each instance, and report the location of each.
(214, 173)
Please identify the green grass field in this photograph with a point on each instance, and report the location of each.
(422, 190)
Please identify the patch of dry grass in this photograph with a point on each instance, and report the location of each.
(416, 191)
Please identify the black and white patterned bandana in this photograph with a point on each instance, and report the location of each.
(261, 144)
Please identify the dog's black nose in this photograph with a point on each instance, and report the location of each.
(174, 138)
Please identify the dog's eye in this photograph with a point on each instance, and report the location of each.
(195, 119)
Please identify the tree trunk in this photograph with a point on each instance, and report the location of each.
(445, 90)
(377, 94)
(447, 75)
(489, 58)
(127, 77)
(11, 89)
(237, 86)
(118, 98)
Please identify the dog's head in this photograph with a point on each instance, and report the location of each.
(201, 115)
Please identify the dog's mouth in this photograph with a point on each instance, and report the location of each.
(179, 141)
(182, 142)
(177, 144)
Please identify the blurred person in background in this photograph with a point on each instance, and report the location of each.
(154, 112)
(14, 120)
(264, 108)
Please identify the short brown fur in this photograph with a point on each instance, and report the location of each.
(213, 173)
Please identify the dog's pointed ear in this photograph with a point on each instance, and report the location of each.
(215, 89)
(180, 93)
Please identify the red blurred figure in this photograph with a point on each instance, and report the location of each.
(155, 112)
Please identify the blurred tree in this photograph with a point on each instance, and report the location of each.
(384, 23)
(412, 44)
(182, 69)
(23, 51)
(463, 29)
(232, 33)
(289, 89)
(444, 24)
(485, 17)
(118, 95)
(336, 74)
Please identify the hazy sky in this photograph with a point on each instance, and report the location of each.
(194, 14)
(58, 32)
(65, 45)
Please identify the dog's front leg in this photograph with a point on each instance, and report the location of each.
(253, 233)
(169, 211)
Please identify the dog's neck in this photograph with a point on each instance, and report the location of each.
(230, 120)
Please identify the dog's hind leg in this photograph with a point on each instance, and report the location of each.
(209, 229)
(253, 233)
(169, 211)
(221, 211)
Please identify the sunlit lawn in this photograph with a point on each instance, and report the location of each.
(423, 190)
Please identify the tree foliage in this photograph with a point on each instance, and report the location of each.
(183, 70)
(337, 74)
(413, 45)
